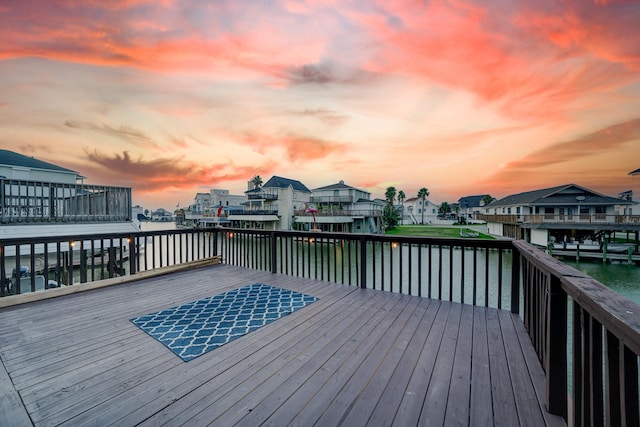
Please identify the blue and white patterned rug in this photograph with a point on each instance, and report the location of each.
(195, 328)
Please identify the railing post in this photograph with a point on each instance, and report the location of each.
(515, 281)
(132, 254)
(214, 234)
(363, 262)
(272, 244)
(556, 349)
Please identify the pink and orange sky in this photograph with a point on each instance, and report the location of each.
(464, 97)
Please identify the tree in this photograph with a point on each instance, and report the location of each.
(390, 214)
(401, 198)
(390, 195)
(486, 200)
(256, 181)
(445, 208)
(423, 193)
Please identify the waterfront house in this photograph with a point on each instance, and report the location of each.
(213, 208)
(272, 206)
(471, 206)
(341, 208)
(412, 212)
(161, 214)
(565, 212)
(38, 198)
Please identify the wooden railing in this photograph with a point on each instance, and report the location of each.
(598, 218)
(587, 337)
(593, 380)
(461, 270)
(604, 335)
(37, 264)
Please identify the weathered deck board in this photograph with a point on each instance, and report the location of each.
(354, 356)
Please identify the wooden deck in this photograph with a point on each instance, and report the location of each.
(355, 357)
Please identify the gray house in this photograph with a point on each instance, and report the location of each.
(565, 210)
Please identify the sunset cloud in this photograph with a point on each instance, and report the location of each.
(464, 96)
(166, 173)
(125, 133)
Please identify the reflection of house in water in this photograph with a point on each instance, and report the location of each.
(342, 208)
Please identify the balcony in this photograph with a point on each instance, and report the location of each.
(341, 212)
(331, 200)
(263, 195)
(406, 331)
(36, 202)
(585, 219)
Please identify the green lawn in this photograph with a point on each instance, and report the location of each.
(432, 231)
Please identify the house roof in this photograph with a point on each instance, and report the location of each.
(337, 186)
(471, 201)
(568, 194)
(10, 158)
(280, 182)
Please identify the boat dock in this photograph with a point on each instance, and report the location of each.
(604, 257)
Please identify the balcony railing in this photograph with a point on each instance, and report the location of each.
(586, 337)
(254, 212)
(331, 199)
(562, 219)
(341, 212)
(45, 202)
(263, 195)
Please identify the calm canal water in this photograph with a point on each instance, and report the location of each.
(621, 278)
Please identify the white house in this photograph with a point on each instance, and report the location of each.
(272, 206)
(415, 212)
(341, 208)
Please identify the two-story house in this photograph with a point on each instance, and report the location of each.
(471, 206)
(414, 211)
(559, 213)
(271, 206)
(341, 208)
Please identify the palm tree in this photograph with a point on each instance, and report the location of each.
(401, 197)
(256, 181)
(486, 200)
(423, 193)
(390, 195)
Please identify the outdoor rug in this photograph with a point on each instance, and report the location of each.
(195, 328)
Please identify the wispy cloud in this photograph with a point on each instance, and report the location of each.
(560, 162)
(167, 173)
(125, 133)
(326, 116)
(297, 148)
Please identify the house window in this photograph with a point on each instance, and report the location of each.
(518, 210)
(548, 213)
(433, 211)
